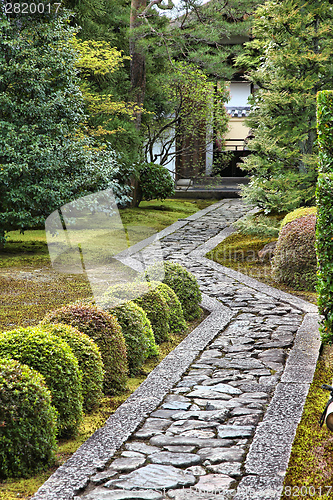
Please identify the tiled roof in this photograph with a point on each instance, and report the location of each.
(238, 112)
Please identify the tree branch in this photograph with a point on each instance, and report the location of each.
(159, 4)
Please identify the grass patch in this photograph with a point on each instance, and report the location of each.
(25, 488)
(240, 252)
(30, 287)
(311, 460)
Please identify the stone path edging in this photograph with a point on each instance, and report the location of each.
(269, 451)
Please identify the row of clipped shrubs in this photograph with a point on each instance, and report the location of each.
(51, 373)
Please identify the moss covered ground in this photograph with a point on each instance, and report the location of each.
(240, 252)
(311, 461)
(30, 287)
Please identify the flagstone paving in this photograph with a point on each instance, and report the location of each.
(223, 424)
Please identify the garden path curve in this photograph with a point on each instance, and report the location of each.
(217, 417)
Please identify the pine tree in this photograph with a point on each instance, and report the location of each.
(289, 60)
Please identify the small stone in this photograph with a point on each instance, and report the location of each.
(234, 431)
(212, 483)
(176, 459)
(103, 494)
(162, 440)
(232, 469)
(216, 416)
(127, 464)
(163, 413)
(225, 388)
(209, 394)
(141, 447)
(180, 449)
(184, 425)
(237, 412)
(102, 477)
(198, 433)
(196, 470)
(176, 405)
(131, 454)
(218, 455)
(153, 477)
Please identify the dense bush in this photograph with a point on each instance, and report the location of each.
(138, 333)
(54, 359)
(27, 421)
(155, 182)
(90, 361)
(105, 330)
(151, 301)
(294, 262)
(177, 321)
(183, 283)
(296, 214)
(324, 232)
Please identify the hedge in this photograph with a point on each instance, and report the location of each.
(324, 229)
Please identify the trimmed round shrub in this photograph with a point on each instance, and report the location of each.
(138, 333)
(296, 214)
(54, 359)
(183, 283)
(177, 321)
(90, 361)
(152, 302)
(103, 329)
(155, 182)
(27, 421)
(294, 262)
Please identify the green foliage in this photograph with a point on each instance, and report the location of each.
(324, 229)
(324, 246)
(89, 358)
(325, 130)
(103, 329)
(259, 225)
(27, 420)
(155, 182)
(294, 41)
(294, 262)
(296, 214)
(54, 359)
(41, 107)
(183, 283)
(138, 333)
(152, 302)
(176, 316)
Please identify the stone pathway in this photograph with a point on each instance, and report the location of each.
(216, 419)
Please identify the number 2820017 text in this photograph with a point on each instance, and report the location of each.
(31, 8)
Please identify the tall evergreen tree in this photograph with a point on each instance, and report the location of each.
(289, 60)
(43, 159)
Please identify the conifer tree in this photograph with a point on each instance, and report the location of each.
(289, 60)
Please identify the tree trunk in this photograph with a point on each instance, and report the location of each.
(138, 63)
